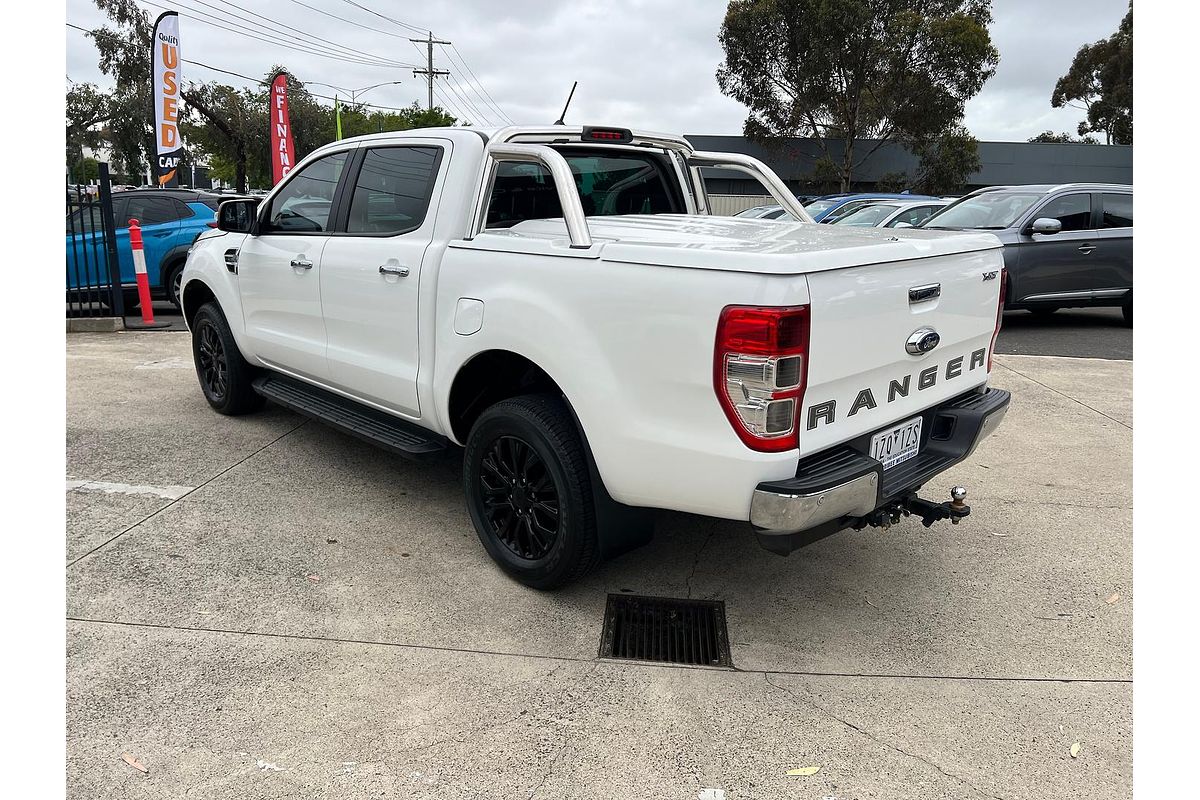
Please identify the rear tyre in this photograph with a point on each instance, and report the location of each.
(224, 375)
(529, 493)
(173, 284)
(1127, 312)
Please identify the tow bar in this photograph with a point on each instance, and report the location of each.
(929, 512)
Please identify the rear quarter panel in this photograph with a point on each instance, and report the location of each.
(631, 346)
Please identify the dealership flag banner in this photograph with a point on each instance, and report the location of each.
(165, 74)
(283, 153)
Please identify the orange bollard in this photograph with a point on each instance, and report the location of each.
(139, 268)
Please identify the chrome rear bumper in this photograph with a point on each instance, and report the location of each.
(833, 489)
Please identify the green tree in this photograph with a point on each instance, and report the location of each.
(87, 107)
(946, 162)
(841, 71)
(1100, 82)
(1050, 137)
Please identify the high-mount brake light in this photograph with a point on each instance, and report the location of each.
(760, 368)
(999, 315)
(610, 135)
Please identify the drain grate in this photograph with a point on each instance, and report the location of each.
(665, 629)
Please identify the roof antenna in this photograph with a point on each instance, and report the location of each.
(568, 105)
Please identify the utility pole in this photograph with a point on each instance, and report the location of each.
(429, 71)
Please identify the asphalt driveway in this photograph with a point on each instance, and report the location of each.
(261, 607)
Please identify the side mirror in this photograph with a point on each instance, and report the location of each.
(903, 225)
(1046, 225)
(236, 216)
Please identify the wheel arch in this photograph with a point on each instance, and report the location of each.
(195, 294)
(489, 377)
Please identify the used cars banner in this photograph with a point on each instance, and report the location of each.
(165, 74)
(283, 153)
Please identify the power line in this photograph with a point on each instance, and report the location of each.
(349, 21)
(282, 28)
(390, 19)
(259, 81)
(490, 100)
(297, 48)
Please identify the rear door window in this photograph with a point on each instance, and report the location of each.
(392, 191)
(153, 210)
(1118, 210)
(1074, 211)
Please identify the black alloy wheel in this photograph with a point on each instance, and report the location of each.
(212, 365)
(520, 498)
(225, 376)
(529, 493)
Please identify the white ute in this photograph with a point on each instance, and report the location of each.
(558, 302)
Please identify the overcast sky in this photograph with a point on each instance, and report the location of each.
(647, 64)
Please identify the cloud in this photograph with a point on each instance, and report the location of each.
(641, 63)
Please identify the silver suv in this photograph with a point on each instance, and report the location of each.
(1065, 246)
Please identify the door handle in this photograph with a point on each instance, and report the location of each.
(301, 263)
(1086, 248)
(389, 269)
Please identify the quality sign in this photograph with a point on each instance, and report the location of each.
(165, 74)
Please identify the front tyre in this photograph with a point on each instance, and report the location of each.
(224, 375)
(529, 493)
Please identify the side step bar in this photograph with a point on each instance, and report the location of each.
(371, 425)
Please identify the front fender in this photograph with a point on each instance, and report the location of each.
(206, 265)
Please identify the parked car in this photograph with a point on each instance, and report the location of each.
(765, 212)
(829, 208)
(550, 299)
(1065, 246)
(170, 220)
(891, 215)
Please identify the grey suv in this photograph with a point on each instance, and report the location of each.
(1065, 246)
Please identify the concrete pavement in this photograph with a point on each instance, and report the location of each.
(325, 609)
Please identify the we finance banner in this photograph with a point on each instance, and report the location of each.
(166, 76)
(283, 152)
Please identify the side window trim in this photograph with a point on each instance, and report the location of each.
(345, 195)
(264, 208)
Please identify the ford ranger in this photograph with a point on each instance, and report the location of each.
(558, 302)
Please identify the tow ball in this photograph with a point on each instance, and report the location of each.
(929, 512)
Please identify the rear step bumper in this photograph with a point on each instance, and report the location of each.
(834, 489)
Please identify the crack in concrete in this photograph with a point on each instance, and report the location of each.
(696, 562)
(568, 741)
(581, 660)
(881, 742)
(187, 494)
(1064, 394)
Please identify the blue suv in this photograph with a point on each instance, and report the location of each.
(831, 207)
(170, 220)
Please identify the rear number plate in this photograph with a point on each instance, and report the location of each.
(897, 444)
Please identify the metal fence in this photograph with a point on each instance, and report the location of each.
(93, 270)
(726, 205)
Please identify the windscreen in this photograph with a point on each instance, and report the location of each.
(817, 206)
(608, 181)
(867, 216)
(987, 211)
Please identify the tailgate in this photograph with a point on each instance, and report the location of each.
(860, 375)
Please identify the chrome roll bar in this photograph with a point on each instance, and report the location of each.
(757, 170)
(564, 184)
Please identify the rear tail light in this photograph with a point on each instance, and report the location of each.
(760, 365)
(999, 315)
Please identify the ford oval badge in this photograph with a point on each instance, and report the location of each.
(922, 341)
